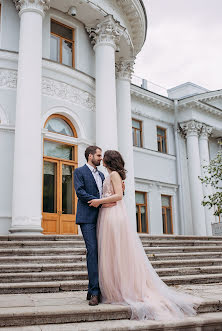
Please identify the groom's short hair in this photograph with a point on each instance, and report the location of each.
(91, 150)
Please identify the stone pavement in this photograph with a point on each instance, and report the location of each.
(63, 301)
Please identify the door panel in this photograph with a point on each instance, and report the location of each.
(67, 218)
(59, 199)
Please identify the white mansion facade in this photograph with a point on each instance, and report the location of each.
(65, 84)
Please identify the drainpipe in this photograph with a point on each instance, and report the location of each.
(179, 170)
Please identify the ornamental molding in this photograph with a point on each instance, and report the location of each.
(39, 6)
(135, 15)
(211, 95)
(206, 131)
(3, 117)
(8, 78)
(151, 98)
(50, 87)
(125, 69)
(144, 114)
(203, 107)
(191, 128)
(69, 93)
(107, 32)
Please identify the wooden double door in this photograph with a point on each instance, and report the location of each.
(59, 199)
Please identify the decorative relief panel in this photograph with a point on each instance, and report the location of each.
(70, 93)
(8, 79)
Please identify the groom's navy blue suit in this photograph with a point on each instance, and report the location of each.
(86, 190)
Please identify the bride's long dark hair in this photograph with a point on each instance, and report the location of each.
(114, 161)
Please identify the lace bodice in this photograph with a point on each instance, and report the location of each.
(107, 187)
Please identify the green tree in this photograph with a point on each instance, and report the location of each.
(213, 177)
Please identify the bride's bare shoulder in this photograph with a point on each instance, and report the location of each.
(115, 175)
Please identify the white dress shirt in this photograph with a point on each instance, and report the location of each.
(97, 178)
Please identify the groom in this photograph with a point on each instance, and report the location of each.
(88, 182)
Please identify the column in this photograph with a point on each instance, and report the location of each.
(105, 38)
(124, 70)
(27, 176)
(192, 130)
(205, 160)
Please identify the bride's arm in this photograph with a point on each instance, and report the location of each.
(118, 191)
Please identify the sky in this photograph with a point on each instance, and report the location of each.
(183, 44)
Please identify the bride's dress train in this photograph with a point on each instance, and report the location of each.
(125, 274)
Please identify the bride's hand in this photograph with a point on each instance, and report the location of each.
(94, 203)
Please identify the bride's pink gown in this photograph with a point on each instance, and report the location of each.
(125, 274)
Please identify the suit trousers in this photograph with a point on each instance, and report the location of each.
(90, 238)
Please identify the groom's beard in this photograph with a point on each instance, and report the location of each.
(95, 163)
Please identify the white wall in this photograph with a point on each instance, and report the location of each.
(10, 23)
(6, 172)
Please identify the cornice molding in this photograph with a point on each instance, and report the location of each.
(152, 98)
(135, 13)
(211, 95)
(203, 107)
(138, 112)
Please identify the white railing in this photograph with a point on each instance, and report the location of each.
(147, 85)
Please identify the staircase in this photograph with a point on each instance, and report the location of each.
(57, 264)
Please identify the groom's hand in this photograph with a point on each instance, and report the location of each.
(94, 203)
(108, 205)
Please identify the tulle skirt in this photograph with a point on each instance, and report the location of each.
(127, 277)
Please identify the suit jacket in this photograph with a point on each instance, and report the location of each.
(86, 190)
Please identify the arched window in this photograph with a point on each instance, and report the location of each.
(60, 124)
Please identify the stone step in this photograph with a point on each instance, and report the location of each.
(173, 259)
(144, 237)
(42, 251)
(186, 256)
(81, 251)
(27, 268)
(41, 259)
(42, 276)
(34, 311)
(170, 267)
(201, 322)
(82, 285)
(38, 264)
(80, 243)
(57, 274)
(180, 271)
(44, 244)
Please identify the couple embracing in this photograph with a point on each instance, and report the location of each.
(118, 268)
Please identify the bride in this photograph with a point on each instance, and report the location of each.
(125, 274)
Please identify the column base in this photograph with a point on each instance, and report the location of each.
(25, 231)
(26, 226)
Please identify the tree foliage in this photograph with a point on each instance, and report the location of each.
(213, 177)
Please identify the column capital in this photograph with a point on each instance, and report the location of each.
(108, 32)
(124, 69)
(206, 131)
(191, 128)
(39, 6)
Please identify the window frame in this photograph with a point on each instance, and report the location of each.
(135, 131)
(139, 213)
(171, 213)
(161, 138)
(60, 42)
(64, 119)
